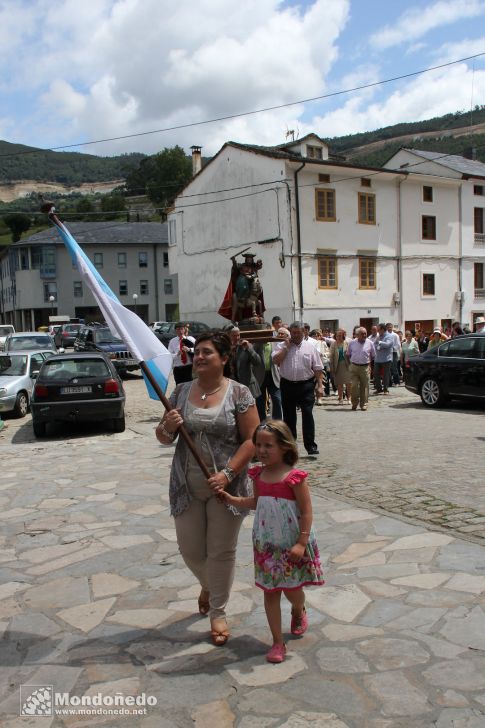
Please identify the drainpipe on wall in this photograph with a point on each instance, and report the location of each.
(157, 316)
(399, 253)
(298, 238)
(460, 253)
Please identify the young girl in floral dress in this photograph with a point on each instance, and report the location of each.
(286, 556)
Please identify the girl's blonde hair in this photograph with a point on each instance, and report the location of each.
(284, 439)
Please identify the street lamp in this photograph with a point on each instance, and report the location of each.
(135, 299)
(52, 299)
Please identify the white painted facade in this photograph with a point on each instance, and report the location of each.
(458, 247)
(246, 198)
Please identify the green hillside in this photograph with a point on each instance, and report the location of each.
(449, 136)
(19, 162)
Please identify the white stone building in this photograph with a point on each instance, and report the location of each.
(340, 244)
(443, 201)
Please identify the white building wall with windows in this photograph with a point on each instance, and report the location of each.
(459, 201)
(430, 248)
(421, 242)
(352, 242)
(238, 201)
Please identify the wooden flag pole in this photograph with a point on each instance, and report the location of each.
(182, 430)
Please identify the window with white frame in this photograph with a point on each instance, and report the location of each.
(172, 232)
(78, 289)
(428, 284)
(168, 286)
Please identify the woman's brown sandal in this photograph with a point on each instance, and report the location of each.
(220, 636)
(203, 603)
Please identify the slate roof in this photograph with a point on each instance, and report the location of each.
(467, 167)
(102, 233)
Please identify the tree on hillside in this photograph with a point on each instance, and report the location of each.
(111, 205)
(84, 205)
(161, 176)
(18, 224)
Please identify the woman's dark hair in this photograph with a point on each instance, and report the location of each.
(219, 339)
(284, 438)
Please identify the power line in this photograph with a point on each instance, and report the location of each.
(249, 113)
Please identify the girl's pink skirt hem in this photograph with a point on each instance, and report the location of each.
(291, 588)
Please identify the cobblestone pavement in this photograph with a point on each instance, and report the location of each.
(95, 599)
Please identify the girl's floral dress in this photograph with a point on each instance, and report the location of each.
(276, 529)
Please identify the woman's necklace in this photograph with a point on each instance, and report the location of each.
(204, 395)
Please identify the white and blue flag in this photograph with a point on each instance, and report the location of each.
(138, 337)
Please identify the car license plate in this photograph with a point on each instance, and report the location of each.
(76, 390)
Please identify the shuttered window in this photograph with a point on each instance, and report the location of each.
(325, 205)
(367, 208)
(327, 272)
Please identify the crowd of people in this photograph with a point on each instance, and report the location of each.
(219, 411)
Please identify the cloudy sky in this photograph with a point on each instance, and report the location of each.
(74, 71)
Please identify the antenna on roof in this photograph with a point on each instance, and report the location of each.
(290, 133)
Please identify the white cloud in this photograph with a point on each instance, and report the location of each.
(423, 98)
(415, 22)
(114, 67)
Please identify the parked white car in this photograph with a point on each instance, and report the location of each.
(5, 330)
(18, 371)
(30, 341)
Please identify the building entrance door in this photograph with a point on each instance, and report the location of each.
(368, 323)
(417, 326)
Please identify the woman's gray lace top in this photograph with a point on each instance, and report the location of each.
(216, 436)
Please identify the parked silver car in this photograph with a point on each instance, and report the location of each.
(5, 330)
(18, 371)
(30, 341)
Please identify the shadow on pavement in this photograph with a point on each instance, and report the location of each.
(156, 649)
(474, 408)
(61, 431)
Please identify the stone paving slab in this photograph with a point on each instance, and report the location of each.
(95, 599)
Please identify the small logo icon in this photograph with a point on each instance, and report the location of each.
(36, 700)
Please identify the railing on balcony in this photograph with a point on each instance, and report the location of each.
(479, 238)
(479, 292)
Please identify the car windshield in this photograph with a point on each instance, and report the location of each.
(75, 369)
(27, 343)
(72, 327)
(5, 330)
(13, 366)
(164, 328)
(106, 337)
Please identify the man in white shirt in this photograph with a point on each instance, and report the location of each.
(396, 356)
(181, 347)
(300, 364)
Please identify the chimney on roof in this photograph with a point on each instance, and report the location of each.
(196, 159)
(470, 153)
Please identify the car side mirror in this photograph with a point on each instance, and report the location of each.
(61, 350)
(34, 374)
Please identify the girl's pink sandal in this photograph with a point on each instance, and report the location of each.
(276, 654)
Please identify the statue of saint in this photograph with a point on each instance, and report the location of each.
(244, 296)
